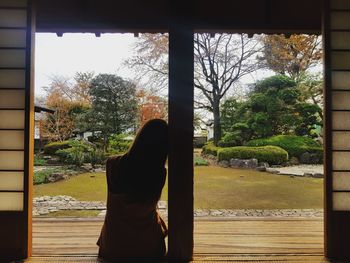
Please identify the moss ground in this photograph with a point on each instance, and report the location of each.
(214, 187)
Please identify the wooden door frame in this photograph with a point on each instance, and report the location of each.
(181, 130)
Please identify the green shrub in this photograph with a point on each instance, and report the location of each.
(77, 154)
(269, 154)
(96, 157)
(38, 161)
(53, 147)
(210, 148)
(228, 140)
(198, 161)
(294, 145)
(118, 144)
(41, 177)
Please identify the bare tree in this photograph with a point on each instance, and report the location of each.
(76, 90)
(150, 62)
(220, 61)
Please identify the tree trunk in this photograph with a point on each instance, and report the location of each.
(217, 124)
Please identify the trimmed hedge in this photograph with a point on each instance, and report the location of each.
(269, 154)
(294, 145)
(53, 147)
(210, 148)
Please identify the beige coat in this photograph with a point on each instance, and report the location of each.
(131, 231)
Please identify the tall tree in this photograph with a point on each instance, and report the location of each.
(274, 107)
(114, 106)
(220, 62)
(293, 55)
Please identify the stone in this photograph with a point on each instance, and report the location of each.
(235, 162)
(294, 161)
(244, 163)
(310, 158)
(264, 164)
(317, 175)
(224, 163)
(162, 205)
(307, 174)
(251, 163)
(54, 177)
(276, 166)
(271, 170)
(261, 168)
(87, 167)
(215, 213)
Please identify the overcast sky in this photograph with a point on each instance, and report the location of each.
(80, 52)
(71, 53)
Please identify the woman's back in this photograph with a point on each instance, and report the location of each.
(133, 230)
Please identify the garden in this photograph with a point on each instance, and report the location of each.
(252, 131)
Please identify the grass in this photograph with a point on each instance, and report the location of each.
(214, 187)
(84, 187)
(228, 188)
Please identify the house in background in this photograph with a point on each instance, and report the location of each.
(39, 140)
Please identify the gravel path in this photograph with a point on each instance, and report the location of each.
(45, 205)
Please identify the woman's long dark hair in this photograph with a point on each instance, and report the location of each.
(141, 171)
(150, 146)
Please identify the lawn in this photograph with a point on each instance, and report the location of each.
(215, 187)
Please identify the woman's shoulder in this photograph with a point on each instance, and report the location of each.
(114, 158)
(112, 161)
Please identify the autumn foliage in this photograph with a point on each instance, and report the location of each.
(292, 55)
(150, 107)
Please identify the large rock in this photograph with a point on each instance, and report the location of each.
(294, 161)
(244, 163)
(310, 158)
(264, 164)
(236, 163)
(224, 163)
(251, 163)
(54, 177)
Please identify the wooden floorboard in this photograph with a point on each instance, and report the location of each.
(216, 240)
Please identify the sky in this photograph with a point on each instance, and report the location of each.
(75, 52)
(80, 52)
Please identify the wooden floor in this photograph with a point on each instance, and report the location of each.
(221, 240)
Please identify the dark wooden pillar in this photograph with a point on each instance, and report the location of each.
(16, 128)
(181, 143)
(336, 33)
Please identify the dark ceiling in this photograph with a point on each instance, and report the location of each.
(255, 16)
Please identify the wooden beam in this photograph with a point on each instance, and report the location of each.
(181, 143)
(327, 113)
(272, 16)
